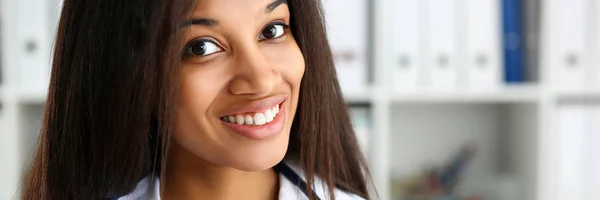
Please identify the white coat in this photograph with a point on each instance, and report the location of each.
(290, 188)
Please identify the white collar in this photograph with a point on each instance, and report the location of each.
(148, 189)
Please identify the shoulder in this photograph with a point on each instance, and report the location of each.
(147, 189)
(320, 187)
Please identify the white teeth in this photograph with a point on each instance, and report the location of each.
(259, 119)
(239, 119)
(269, 115)
(248, 120)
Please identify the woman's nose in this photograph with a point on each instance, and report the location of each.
(254, 74)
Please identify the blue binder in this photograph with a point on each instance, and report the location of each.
(513, 41)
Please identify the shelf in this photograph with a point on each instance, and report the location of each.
(579, 95)
(358, 97)
(22, 97)
(2, 94)
(32, 97)
(505, 94)
(5, 95)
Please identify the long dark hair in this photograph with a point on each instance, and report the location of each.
(110, 104)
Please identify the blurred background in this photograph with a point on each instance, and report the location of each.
(451, 99)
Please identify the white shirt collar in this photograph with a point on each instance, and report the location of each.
(149, 189)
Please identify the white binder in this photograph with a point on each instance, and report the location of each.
(407, 65)
(441, 45)
(347, 34)
(34, 44)
(54, 11)
(595, 153)
(482, 41)
(567, 21)
(572, 165)
(596, 34)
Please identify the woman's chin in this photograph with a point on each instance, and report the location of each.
(258, 156)
(260, 161)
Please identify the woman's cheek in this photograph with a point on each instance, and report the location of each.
(198, 90)
(290, 62)
(205, 80)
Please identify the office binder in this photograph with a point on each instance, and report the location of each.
(595, 17)
(572, 157)
(2, 67)
(441, 44)
(347, 34)
(513, 41)
(53, 15)
(567, 23)
(594, 152)
(407, 65)
(531, 14)
(34, 43)
(482, 41)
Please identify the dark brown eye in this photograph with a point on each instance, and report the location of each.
(202, 47)
(273, 30)
(270, 31)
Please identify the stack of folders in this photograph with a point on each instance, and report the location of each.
(573, 43)
(346, 22)
(463, 44)
(446, 44)
(578, 152)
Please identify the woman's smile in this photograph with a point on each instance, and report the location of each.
(259, 119)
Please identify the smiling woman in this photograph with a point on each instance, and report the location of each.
(206, 99)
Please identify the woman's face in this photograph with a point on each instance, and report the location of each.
(240, 81)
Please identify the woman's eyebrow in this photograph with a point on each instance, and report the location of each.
(212, 22)
(274, 5)
(198, 21)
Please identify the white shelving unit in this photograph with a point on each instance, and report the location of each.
(511, 125)
(579, 95)
(439, 123)
(507, 94)
(9, 147)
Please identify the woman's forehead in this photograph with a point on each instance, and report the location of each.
(232, 8)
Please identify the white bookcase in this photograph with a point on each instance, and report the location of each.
(512, 126)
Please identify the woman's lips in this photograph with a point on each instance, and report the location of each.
(260, 125)
(256, 106)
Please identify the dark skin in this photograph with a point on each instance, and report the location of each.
(247, 54)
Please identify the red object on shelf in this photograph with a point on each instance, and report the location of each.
(473, 198)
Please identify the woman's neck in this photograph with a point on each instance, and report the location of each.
(189, 177)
